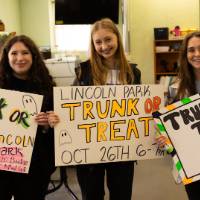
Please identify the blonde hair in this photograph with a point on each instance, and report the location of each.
(99, 70)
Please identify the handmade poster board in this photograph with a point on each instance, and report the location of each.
(17, 129)
(101, 124)
(180, 122)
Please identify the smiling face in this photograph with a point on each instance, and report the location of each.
(193, 52)
(20, 60)
(105, 43)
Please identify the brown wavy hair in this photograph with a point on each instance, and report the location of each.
(38, 72)
(186, 76)
(99, 70)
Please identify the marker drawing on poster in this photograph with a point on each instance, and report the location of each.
(181, 123)
(17, 129)
(101, 124)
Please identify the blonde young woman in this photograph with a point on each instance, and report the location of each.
(107, 65)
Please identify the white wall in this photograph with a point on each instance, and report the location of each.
(10, 15)
(144, 15)
(35, 20)
(31, 17)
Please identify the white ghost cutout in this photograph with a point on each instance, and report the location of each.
(64, 137)
(30, 104)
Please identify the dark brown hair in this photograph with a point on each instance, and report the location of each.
(186, 76)
(38, 72)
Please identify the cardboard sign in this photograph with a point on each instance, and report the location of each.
(181, 123)
(17, 129)
(101, 124)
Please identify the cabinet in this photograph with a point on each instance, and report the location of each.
(166, 54)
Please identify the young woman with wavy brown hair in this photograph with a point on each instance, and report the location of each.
(22, 69)
(187, 84)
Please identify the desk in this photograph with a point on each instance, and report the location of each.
(62, 70)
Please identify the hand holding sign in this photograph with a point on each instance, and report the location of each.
(181, 122)
(105, 123)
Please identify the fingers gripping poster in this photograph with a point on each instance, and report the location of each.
(17, 129)
(101, 124)
(180, 122)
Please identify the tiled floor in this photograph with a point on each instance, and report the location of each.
(153, 180)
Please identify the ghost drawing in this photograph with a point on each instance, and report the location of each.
(30, 105)
(65, 137)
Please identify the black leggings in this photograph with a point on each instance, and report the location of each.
(119, 180)
(193, 190)
(23, 186)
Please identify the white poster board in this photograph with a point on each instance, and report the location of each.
(17, 129)
(101, 124)
(181, 123)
